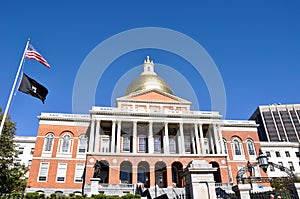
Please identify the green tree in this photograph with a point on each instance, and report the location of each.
(11, 174)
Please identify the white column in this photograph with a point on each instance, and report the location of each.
(134, 137)
(193, 141)
(150, 138)
(221, 139)
(92, 137)
(217, 139)
(166, 139)
(197, 138)
(211, 140)
(113, 137)
(178, 138)
(201, 139)
(97, 137)
(118, 137)
(182, 148)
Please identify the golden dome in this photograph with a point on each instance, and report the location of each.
(148, 80)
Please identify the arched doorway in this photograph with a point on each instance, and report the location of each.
(126, 172)
(217, 174)
(104, 171)
(161, 174)
(144, 173)
(177, 169)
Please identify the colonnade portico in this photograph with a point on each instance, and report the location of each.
(204, 138)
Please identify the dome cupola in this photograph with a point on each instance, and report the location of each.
(148, 80)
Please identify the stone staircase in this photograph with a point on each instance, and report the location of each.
(172, 193)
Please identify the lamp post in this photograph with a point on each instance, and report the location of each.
(264, 163)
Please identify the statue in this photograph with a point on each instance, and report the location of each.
(249, 167)
(97, 169)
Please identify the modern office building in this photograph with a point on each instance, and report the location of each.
(279, 132)
(278, 122)
(146, 140)
(25, 147)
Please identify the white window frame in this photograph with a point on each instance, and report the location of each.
(225, 146)
(46, 170)
(248, 141)
(234, 143)
(82, 144)
(187, 144)
(79, 173)
(46, 142)
(172, 144)
(256, 172)
(104, 144)
(126, 148)
(61, 172)
(142, 144)
(157, 140)
(65, 144)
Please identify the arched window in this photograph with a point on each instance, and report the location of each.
(237, 147)
(225, 146)
(65, 147)
(250, 146)
(82, 144)
(48, 142)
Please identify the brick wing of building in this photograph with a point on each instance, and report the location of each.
(145, 141)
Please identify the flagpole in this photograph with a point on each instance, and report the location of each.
(13, 89)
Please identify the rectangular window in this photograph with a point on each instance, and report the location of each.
(82, 144)
(29, 163)
(79, 172)
(104, 144)
(18, 161)
(142, 144)
(31, 151)
(256, 171)
(297, 154)
(172, 145)
(21, 150)
(43, 173)
(157, 144)
(61, 172)
(287, 154)
(126, 144)
(187, 144)
(277, 154)
(268, 154)
(291, 166)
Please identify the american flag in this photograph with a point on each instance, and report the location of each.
(31, 53)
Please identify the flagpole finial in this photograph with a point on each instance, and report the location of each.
(28, 38)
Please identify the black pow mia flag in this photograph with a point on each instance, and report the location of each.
(33, 88)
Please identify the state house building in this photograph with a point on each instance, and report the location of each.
(147, 140)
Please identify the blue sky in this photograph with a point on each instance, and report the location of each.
(255, 46)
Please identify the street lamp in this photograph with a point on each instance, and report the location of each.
(263, 161)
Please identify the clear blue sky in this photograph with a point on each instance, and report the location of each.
(255, 45)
